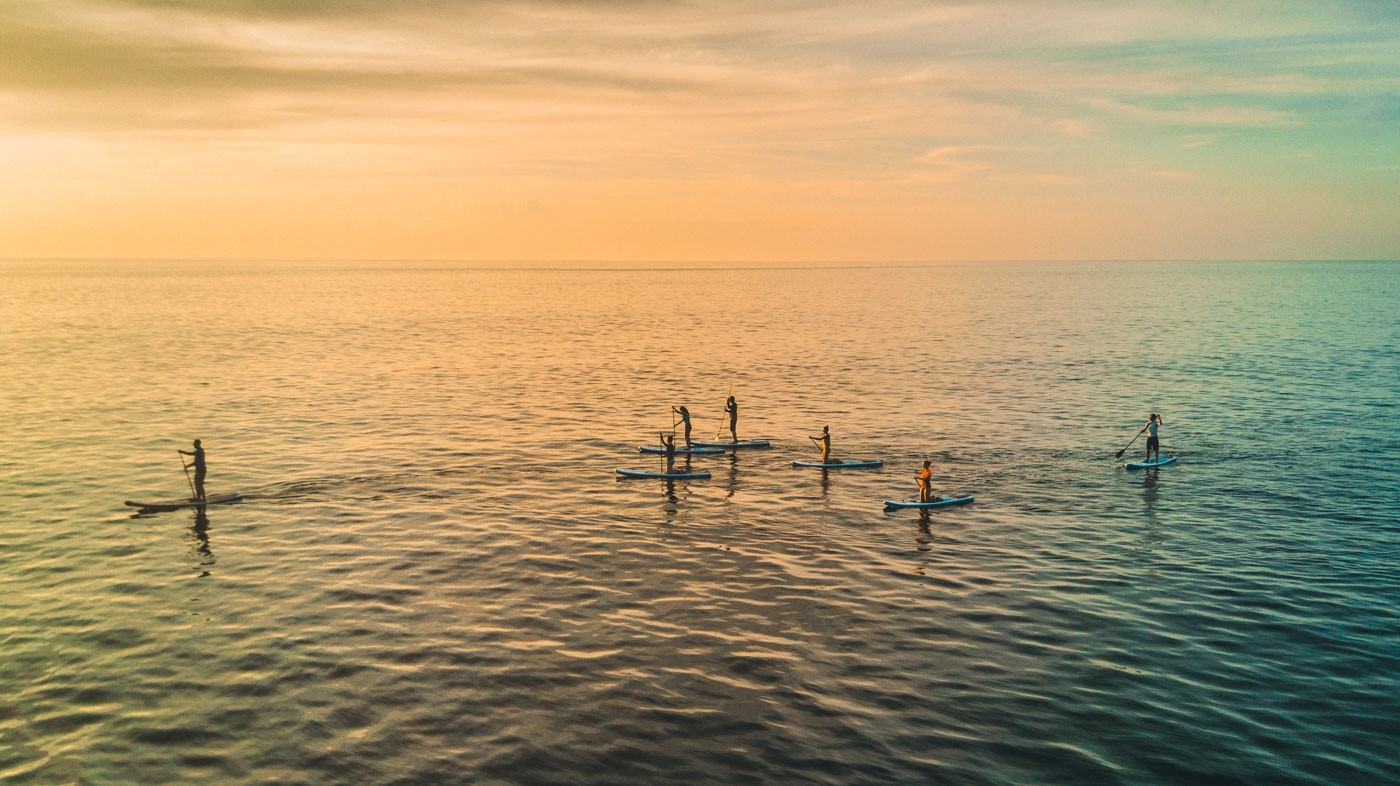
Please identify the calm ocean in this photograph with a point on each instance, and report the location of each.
(438, 578)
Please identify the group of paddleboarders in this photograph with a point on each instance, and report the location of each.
(823, 444)
(668, 440)
(731, 408)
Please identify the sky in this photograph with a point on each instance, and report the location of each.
(761, 130)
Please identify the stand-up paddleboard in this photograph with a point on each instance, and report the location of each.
(942, 503)
(1158, 462)
(637, 473)
(840, 464)
(683, 451)
(753, 443)
(176, 504)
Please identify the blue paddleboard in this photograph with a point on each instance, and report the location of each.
(942, 503)
(637, 473)
(1159, 462)
(754, 443)
(840, 464)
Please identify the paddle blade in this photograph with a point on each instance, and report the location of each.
(1120, 453)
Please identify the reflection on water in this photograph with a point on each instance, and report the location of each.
(923, 535)
(672, 499)
(1150, 489)
(732, 474)
(200, 531)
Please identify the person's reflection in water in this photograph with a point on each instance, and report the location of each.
(923, 539)
(826, 481)
(1152, 536)
(672, 498)
(733, 473)
(201, 536)
(1149, 488)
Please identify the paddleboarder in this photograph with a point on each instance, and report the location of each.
(199, 468)
(731, 408)
(926, 484)
(1153, 421)
(824, 443)
(668, 443)
(685, 418)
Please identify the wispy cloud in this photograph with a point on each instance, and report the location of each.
(1198, 116)
(1169, 174)
(879, 101)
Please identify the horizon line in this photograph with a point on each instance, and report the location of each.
(689, 264)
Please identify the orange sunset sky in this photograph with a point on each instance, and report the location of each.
(655, 130)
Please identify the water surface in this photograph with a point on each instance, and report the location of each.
(438, 579)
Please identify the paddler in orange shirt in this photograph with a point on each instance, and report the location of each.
(926, 484)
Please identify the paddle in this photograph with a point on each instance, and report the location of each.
(1120, 453)
(186, 468)
(724, 411)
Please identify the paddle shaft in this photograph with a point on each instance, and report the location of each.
(672, 432)
(1120, 453)
(186, 468)
(724, 412)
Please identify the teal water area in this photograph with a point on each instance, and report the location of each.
(438, 577)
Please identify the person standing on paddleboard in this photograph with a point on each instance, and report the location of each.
(926, 484)
(668, 443)
(199, 468)
(731, 408)
(824, 443)
(1153, 446)
(685, 418)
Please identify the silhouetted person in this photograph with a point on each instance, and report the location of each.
(668, 442)
(199, 468)
(824, 442)
(1153, 421)
(731, 407)
(685, 418)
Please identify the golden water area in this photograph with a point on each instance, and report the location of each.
(436, 575)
